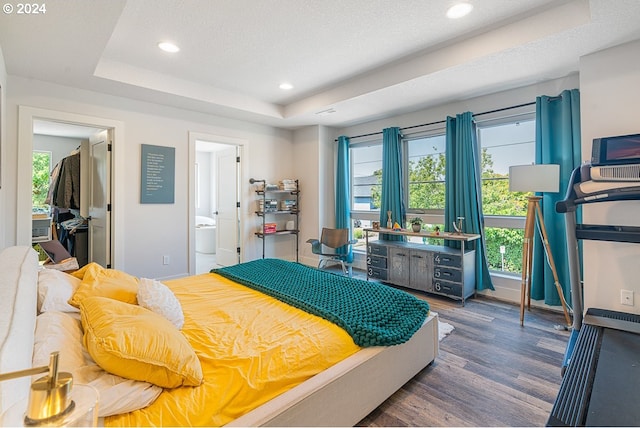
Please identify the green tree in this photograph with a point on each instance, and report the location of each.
(498, 200)
(41, 165)
(426, 182)
(376, 190)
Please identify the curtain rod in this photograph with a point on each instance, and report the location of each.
(443, 121)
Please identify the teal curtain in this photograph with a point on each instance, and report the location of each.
(463, 190)
(392, 183)
(343, 197)
(557, 142)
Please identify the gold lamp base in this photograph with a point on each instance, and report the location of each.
(83, 411)
(49, 401)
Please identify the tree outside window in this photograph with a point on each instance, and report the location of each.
(504, 145)
(40, 188)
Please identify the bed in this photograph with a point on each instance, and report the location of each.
(341, 393)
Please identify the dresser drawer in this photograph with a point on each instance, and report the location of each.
(447, 274)
(377, 273)
(376, 261)
(377, 250)
(446, 287)
(443, 259)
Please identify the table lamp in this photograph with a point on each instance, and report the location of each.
(535, 178)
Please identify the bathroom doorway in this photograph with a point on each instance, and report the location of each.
(216, 198)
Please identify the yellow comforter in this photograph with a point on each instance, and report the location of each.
(251, 348)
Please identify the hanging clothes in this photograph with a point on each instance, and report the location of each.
(65, 183)
(53, 180)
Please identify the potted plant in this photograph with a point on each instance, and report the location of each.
(416, 224)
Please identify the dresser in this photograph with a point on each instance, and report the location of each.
(429, 268)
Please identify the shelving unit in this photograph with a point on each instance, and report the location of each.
(277, 205)
(599, 386)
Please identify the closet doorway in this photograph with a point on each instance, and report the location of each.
(80, 215)
(111, 194)
(215, 202)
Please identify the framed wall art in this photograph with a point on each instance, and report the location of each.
(158, 170)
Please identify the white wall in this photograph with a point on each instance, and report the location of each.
(3, 139)
(270, 163)
(306, 153)
(609, 99)
(60, 147)
(326, 177)
(206, 177)
(481, 104)
(314, 151)
(150, 230)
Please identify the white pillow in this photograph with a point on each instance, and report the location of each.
(55, 288)
(157, 297)
(59, 331)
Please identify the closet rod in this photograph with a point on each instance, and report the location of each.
(444, 121)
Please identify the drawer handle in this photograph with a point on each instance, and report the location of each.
(438, 273)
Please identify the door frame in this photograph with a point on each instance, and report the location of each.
(220, 139)
(26, 116)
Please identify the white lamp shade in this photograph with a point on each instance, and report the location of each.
(534, 178)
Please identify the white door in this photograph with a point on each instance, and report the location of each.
(100, 199)
(228, 227)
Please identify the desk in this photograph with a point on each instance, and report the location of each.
(433, 269)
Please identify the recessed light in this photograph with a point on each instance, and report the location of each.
(286, 86)
(459, 10)
(168, 47)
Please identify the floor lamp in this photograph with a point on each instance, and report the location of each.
(535, 178)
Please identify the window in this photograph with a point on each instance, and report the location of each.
(40, 181)
(503, 142)
(426, 167)
(366, 176)
(424, 184)
(503, 145)
(366, 187)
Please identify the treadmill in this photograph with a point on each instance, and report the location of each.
(601, 366)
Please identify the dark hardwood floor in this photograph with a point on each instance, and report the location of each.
(490, 370)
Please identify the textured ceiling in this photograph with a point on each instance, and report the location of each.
(361, 59)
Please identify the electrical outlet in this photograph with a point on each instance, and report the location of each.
(626, 297)
(165, 260)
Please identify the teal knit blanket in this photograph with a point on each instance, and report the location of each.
(373, 314)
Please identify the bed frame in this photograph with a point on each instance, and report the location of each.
(339, 396)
